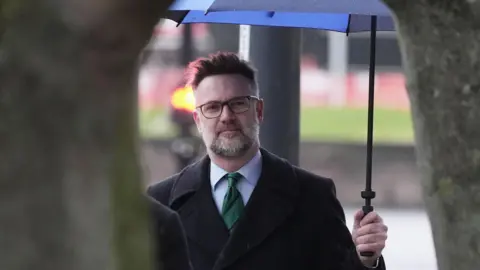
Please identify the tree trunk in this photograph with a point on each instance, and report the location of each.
(440, 42)
(70, 182)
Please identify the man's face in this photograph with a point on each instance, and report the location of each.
(227, 131)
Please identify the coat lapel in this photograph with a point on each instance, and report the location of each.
(270, 204)
(192, 198)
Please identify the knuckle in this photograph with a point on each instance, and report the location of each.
(379, 228)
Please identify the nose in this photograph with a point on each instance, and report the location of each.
(227, 114)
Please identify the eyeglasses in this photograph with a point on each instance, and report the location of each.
(236, 105)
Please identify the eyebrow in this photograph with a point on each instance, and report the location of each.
(220, 101)
(225, 99)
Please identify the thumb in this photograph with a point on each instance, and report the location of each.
(357, 218)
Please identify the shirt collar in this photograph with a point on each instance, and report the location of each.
(250, 171)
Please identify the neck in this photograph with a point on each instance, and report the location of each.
(234, 164)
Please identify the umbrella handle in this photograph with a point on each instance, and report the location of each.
(367, 208)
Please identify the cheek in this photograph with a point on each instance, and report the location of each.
(248, 120)
(207, 127)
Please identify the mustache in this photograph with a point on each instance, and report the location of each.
(229, 128)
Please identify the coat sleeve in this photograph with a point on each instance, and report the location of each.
(345, 249)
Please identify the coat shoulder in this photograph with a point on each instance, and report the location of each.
(312, 187)
(161, 190)
(312, 182)
(319, 193)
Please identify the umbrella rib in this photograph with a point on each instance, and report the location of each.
(183, 18)
(347, 31)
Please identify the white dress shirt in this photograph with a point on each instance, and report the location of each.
(250, 174)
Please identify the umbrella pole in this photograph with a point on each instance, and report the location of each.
(368, 194)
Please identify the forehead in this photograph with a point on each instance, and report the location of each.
(222, 87)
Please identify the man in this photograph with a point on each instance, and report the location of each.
(171, 252)
(245, 208)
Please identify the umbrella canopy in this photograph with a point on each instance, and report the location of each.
(346, 16)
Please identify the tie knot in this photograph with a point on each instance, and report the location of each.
(233, 178)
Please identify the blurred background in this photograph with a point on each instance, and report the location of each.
(334, 89)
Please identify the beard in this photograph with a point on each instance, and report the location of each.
(235, 144)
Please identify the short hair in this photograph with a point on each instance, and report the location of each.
(220, 63)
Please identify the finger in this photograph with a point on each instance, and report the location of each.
(357, 218)
(370, 218)
(372, 238)
(372, 228)
(374, 247)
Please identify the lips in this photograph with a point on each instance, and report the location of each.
(229, 129)
(229, 132)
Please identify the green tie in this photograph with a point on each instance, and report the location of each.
(232, 203)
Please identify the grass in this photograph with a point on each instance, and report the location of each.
(317, 124)
(350, 125)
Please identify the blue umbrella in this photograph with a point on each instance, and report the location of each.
(346, 16)
(334, 15)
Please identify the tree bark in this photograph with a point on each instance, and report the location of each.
(70, 181)
(440, 43)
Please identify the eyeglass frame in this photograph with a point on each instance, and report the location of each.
(226, 102)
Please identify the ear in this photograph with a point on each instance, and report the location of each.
(196, 118)
(259, 110)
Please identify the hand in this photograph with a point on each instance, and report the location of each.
(369, 234)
